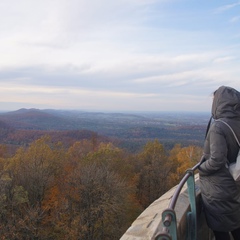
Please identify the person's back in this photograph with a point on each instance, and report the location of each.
(220, 193)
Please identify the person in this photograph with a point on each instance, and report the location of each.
(220, 193)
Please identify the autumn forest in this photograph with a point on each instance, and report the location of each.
(84, 186)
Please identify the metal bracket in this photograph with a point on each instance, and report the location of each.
(170, 223)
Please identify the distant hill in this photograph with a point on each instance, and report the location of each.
(23, 126)
(129, 130)
(5, 130)
(35, 119)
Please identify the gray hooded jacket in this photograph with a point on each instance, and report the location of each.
(220, 193)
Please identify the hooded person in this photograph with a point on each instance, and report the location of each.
(220, 193)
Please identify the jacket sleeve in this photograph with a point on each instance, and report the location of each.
(215, 151)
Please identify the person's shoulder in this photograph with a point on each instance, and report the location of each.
(218, 126)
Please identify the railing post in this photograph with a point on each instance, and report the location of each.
(170, 226)
(188, 219)
(169, 231)
(192, 215)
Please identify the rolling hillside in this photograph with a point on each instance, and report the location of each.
(128, 130)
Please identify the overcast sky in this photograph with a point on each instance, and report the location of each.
(117, 55)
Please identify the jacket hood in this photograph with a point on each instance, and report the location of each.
(226, 103)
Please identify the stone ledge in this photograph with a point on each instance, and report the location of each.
(149, 222)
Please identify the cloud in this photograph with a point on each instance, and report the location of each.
(69, 97)
(141, 74)
(224, 59)
(235, 19)
(61, 32)
(124, 53)
(227, 7)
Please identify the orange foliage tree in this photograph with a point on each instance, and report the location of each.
(89, 191)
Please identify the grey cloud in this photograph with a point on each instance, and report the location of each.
(148, 75)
